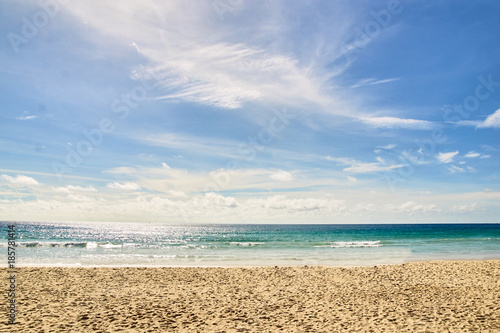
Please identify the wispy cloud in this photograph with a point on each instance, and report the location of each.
(472, 154)
(395, 123)
(227, 76)
(455, 169)
(70, 188)
(388, 147)
(412, 207)
(282, 202)
(465, 208)
(380, 149)
(372, 81)
(127, 186)
(282, 176)
(120, 171)
(26, 117)
(371, 167)
(447, 157)
(341, 160)
(165, 181)
(355, 166)
(205, 62)
(193, 144)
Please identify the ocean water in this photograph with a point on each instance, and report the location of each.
(154, 244)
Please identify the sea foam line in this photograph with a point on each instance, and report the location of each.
(352, 244)
(247, 243)
(69, 244)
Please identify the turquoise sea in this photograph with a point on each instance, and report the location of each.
(155, 244)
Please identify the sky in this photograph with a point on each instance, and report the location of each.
(239, 111)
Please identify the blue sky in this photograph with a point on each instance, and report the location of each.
(237, 111)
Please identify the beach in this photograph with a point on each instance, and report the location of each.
(433, 296)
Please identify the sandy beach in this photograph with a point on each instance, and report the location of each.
(457, 296)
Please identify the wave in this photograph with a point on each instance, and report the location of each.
(352, 244)
(67, 244)
(247, 243)
(356, 244)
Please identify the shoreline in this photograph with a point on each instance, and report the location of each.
(259, 266)
(451, 295)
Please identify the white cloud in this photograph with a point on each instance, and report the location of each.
(472, 154)
(127, 186)
(372, 81)
(300, 204)
(492, 121)
(177, 193)
(394, 123)
(388, 147)
(220, 63)
(26, 117)
(192, 143)
(217, 208)
(341, 160)
(199, 63)
(165, 180)
(165, 165)
(84, 189)
(447, 157)
(229, 75)
(371, 167)
(282, 176)
(365, 207)
(79, 198)
(412, 207)
(465, 123)
(121, 171)
(352, 179)
(20, 180)
(415, 159)
(70, 188)
(465, 208)
(362, 167)
(215, 199)
(455, 169)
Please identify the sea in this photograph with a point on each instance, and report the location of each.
(102, 244)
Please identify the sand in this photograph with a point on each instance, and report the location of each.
(457, 296)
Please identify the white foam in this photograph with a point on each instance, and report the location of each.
(247, 243)
(356, 244)
(110, 246)
(49, 244)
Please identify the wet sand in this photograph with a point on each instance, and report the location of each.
(452, 296)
